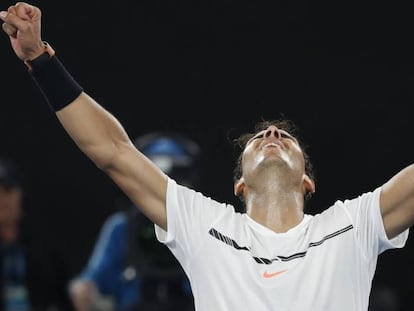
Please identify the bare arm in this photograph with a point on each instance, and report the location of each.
(85, 297)
(95, 131)
(397, 202)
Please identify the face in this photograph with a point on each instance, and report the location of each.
(10, 205)
(272, 147)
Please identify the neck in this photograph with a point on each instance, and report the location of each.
(278, 212)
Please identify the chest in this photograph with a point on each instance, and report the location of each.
(240, 250)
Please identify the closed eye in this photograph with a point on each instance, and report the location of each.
(283, 134)
(258, 135)
(287, 135)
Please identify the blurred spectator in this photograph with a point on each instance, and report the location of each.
(129, 269)
(31, 271)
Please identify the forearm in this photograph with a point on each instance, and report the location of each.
(94, 130)
(102, 138)
(97, 133)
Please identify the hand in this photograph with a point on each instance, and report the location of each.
(85, 296)
(22, 23)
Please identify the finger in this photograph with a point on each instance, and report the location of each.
(12, 9)
(12, 19)
(26, 11)
(10, 30)
(3, 15)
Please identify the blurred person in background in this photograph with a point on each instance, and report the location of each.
(32, 274)
(129, 269)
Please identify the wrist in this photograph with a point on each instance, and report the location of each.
(43, 57)
(56, 84)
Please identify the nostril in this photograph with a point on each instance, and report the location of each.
(272, 132)
(277, 133)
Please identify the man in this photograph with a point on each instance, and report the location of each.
(32, 274)
(128, 269)
(274, 256)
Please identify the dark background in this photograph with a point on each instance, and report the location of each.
(210, 69)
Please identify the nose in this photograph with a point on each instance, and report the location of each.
(272, 131)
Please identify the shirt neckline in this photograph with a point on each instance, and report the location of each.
(266, 231)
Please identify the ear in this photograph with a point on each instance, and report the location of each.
(308, 184)
(239, 187)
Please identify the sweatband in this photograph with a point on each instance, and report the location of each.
(56, 84)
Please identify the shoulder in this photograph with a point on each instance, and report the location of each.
(351, 210)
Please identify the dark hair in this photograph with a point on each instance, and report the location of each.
(284, 124)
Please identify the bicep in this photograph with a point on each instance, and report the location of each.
(142, 181)
(102, 138)
(397, 202)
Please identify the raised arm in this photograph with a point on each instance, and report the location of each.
(95, 131)
(397, 202)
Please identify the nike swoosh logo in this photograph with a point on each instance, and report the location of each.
(268, 275)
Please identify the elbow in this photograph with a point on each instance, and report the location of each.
(107, 158)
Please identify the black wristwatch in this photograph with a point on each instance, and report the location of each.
(38, 61)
